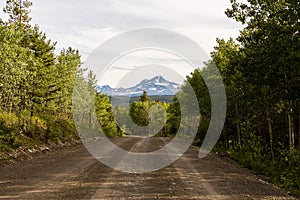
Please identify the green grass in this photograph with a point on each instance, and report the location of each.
(283, 171)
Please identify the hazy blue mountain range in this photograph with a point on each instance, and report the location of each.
(156, 86)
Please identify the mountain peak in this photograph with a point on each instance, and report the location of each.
(157, 85)
(159, 79)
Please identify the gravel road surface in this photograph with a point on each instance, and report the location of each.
(73, 173)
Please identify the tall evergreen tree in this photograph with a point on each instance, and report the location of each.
(18, 11)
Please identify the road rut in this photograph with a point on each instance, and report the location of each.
(75, 174)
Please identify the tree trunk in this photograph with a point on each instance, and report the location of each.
(90, 118)
(299, 132)
(270, 132)
(238, 124)
(291, 130)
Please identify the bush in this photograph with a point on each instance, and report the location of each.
(27, 130)
(9, 127)
(60, 129)
(202, 131)
(281, 171)
(33, 127)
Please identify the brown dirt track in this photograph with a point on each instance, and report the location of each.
(73, 173)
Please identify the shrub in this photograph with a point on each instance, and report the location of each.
(9, 127)
(33, 127)
(60, 129)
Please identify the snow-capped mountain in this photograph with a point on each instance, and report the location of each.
(155, 86)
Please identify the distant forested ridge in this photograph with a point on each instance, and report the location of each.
(121, 100)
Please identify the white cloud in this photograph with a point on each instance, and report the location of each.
(85, 24)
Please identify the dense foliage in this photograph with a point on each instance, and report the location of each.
(266, 71)
(144, 117)
(36, 85)
(261, 74)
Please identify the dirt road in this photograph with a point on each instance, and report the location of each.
(74, 174)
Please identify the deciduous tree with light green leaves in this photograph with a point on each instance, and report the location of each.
(36, 85)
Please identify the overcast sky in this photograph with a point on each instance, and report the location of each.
(85, 24)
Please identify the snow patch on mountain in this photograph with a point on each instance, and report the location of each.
(155, 86)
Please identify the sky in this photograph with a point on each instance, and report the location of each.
(86, 24)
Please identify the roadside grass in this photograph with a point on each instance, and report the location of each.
(283, 171)
(29, 131)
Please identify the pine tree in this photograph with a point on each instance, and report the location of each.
(18, 11)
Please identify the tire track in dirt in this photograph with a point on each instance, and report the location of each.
(218, 179)
(75, 174)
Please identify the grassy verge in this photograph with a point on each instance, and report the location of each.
(283, 171)
(30, 131)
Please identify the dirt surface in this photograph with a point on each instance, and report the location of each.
(74, 174)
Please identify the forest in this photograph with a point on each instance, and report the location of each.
(260, 70)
